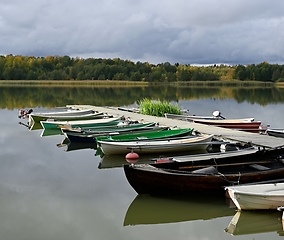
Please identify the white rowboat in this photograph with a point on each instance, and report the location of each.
(199, 142)
(257, 196)
(37, 117)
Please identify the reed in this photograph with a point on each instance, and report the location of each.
(157, 108)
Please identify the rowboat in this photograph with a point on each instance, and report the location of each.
(233, 151)
(244, 124)
(275, 132)
(89, 135)
(257, 196)
(205, 176)
(117, 161)
(74, 136)
(135, 110)
(51, 128)
(147, 135)
(81, 123)
(37, 117)
(216, 115)
(69, 112)
(241, 123)
(187, 143)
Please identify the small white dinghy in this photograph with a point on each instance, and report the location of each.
(257, 196)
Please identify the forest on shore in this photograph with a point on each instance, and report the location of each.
(67, 68)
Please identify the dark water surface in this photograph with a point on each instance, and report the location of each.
(47, 193)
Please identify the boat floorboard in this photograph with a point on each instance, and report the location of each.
(261, 140)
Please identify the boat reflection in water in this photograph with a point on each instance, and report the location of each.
(146, 209)
(72, 146)
(116, 161)
(252, 222)
(31, 127)
(35, 126)
(50, 132)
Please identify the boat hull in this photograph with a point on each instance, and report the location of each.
(214, 155)
(145, 135)
(90, 136)
(191, 143)
(36, 118)
(246, 125)
(191, 117)
(257, 197)
(82, 123)
(243, 124)
(202, 176)
(275, 132)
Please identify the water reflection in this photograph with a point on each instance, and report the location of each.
(50, 132)
(35, 126)
(12, 97)
(251, 222)
(24, 125)
(72, 146)
(146, 209)
(44, 132)
(116, 161)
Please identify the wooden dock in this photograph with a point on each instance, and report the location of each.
(256, 139)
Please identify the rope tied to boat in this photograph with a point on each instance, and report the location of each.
(221, 175)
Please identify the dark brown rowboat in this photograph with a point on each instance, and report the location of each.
(205, 176)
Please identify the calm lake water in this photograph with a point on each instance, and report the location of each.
(49, 193)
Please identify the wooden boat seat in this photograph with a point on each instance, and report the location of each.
(259, 167)
(208, 170)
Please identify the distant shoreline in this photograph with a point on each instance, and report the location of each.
(72, 82)
(219, 83)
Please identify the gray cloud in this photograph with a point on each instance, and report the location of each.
(182, 31)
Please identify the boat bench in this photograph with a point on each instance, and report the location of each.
(208, 171)
(259, 167)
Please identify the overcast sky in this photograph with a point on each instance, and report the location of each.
(154, 31)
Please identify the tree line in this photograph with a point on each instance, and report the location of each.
(67, 68)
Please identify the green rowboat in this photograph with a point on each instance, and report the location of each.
(86, 136)
(171, 133)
